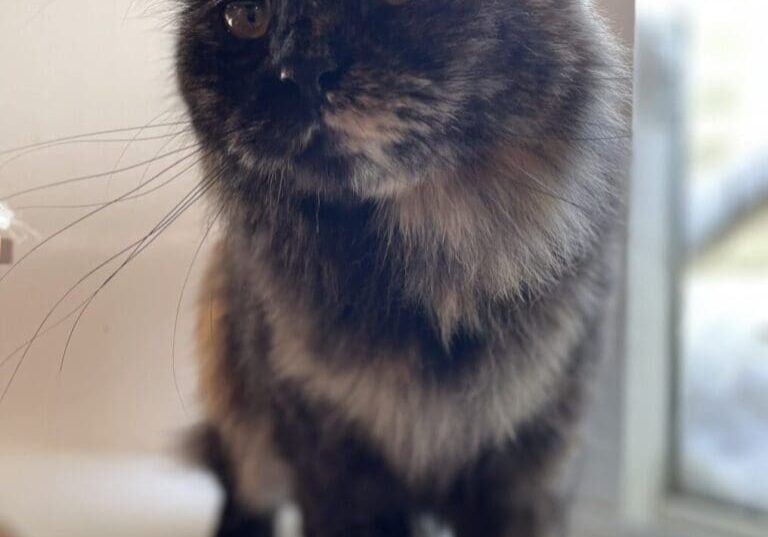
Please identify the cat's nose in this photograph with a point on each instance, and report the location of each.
(314, 78)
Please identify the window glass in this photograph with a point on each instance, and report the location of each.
(723, 336)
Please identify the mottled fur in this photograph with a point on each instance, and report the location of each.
(418, 248)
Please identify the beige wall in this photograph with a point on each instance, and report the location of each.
(81, 66)
(73, 67)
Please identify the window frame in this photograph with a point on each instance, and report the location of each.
(652, 501)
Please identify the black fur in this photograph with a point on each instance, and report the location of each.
(420, 203)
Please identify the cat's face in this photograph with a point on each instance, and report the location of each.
(366, 96)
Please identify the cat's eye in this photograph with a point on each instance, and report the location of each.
(248, 20)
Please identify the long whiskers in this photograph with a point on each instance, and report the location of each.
(188, 200)
(129, 144)
(94, 141)
(92, 213)
(7, 358)
(82, 178)
(117, 200)
(142, 182)
(181, 300)
(83, 136)
(542, 188)
(135, 248)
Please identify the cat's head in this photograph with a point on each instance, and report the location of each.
(368, 97)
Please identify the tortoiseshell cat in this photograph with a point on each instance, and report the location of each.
(420, 200)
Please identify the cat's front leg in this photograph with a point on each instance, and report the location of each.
(512, 492)
(349, 493)
(537, 515)
(343, 486)
(236, 521)
(253, 479)
(333, 523)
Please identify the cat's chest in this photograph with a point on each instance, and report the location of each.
(425, 429)
(373, 377)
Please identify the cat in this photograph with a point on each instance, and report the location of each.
(421, 202)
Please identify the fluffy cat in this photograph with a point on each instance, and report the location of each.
(420, 201)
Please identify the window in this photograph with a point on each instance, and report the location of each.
(723, 280)
(696, 373)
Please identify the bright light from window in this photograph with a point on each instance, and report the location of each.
(724, 326)
(6, 218)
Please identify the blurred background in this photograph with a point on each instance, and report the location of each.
(723, 269)
(678, 440)
(696, 352)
